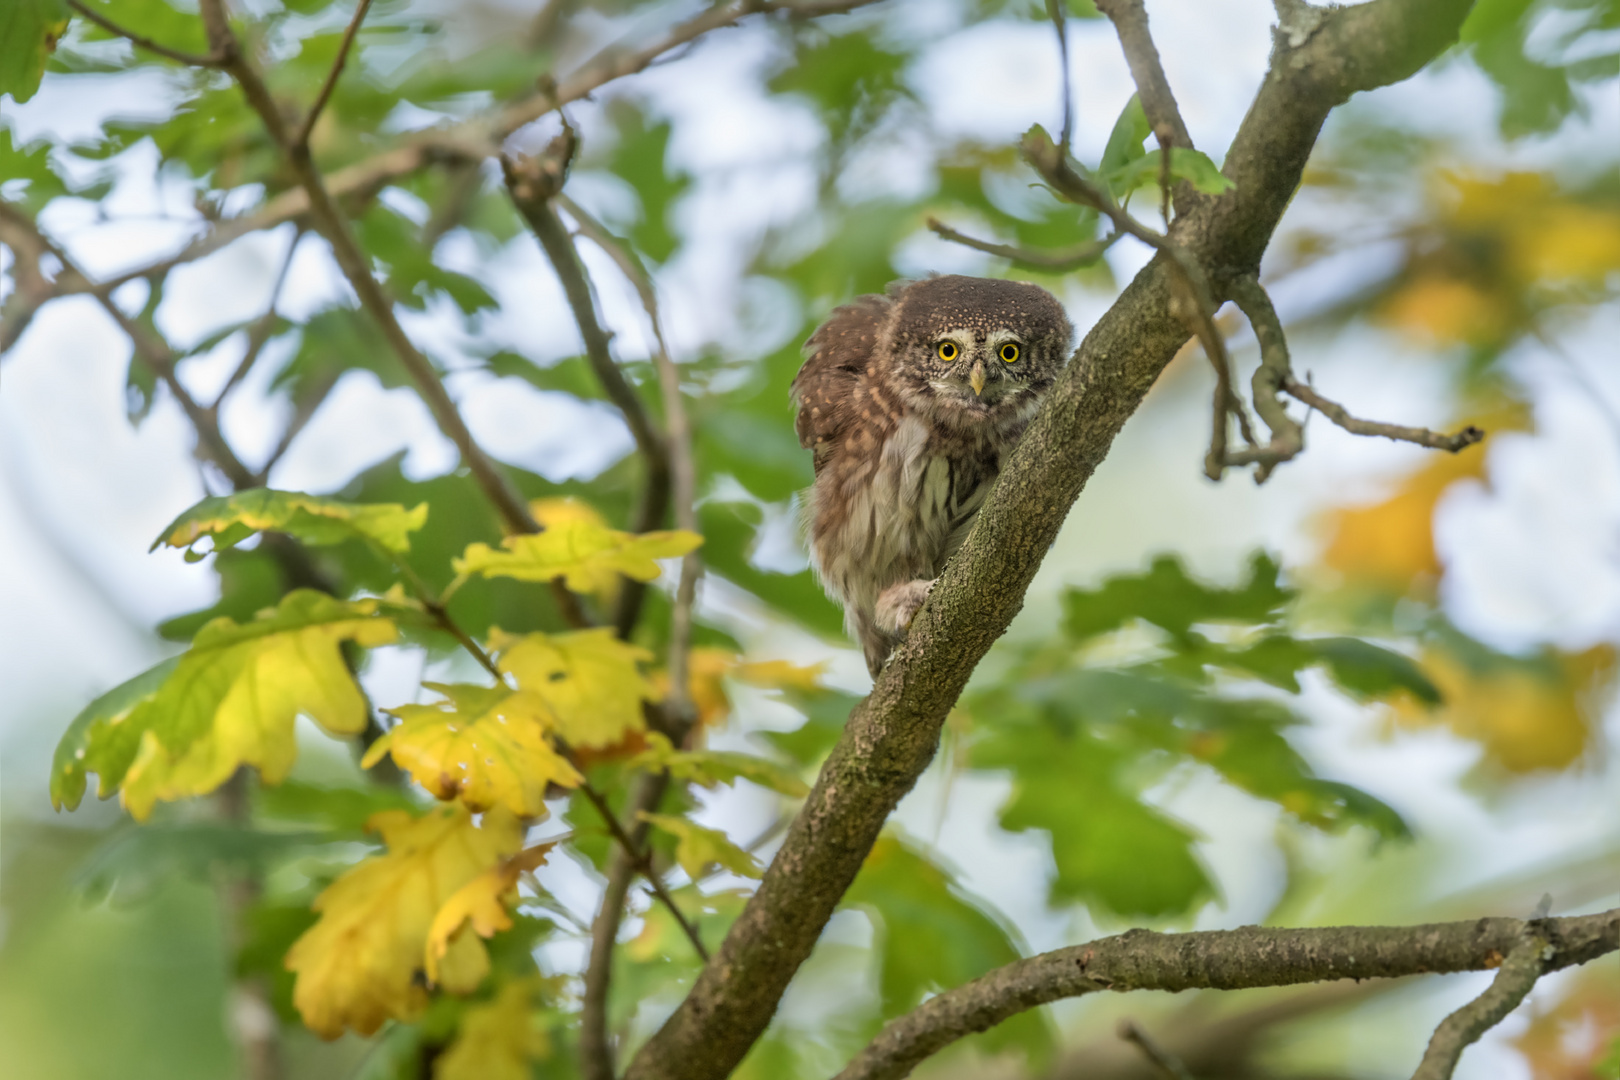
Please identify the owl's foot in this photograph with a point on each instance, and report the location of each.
(897, 605)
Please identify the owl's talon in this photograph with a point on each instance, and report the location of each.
(897, 605)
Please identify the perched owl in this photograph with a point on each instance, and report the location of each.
(911, 402)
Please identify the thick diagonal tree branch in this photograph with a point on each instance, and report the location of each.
(892, 735)
(1250, 957)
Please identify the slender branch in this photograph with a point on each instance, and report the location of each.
(892, 735)
(329, 219)
(1274, 372)
(615, 62)
(1229, 960)
(1057, 11)
(308, 126)
(1056, 261)
(1514, 980)
(152, 351)
(643, 862)
(1194, 301)
(1162, 1059)
(683, 469)
(595, 1048)
(260, 332)
(1335, 412)
(534, 182)
(1153, 91)
(190, 59)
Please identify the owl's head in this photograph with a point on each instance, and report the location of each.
(974, 350)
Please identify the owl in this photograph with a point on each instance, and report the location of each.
(910, 403)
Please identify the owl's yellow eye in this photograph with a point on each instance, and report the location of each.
(948, 351)
(1009, 352)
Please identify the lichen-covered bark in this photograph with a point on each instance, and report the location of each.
(1228, 960)
(1322, 56)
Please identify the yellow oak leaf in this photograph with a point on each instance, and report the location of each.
(781, 674)
(230, 519)
(362, 961)
(498, 1039)
(589, 678)
(486, 746)
(233, 698)
(707, 667)
(710, 768)
(481, 905)
(579, 552)
(1528, 715)
(551, 513)
(696, 847)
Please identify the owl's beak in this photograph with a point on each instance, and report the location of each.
(976, 378)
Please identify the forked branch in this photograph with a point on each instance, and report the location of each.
(1252, 957)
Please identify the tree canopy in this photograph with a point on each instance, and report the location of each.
(418, 373)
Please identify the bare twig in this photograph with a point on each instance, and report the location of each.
(1274, 372)
(152, 352)
(1335, 412)
(1057, 261)
(1153, 91)
(683, 470)
(329, 219)
(595, 1048)
(1057, 11)
(1515, 979)
(615, 62)
(1162, 1059)
(1230, 960)
(534, 183)
(259, 334)
(643, 862)
(191, 59)
(304, 130)
(1194, 302)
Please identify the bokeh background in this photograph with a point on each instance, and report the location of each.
(1453, 257)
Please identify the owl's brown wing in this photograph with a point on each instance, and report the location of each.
(836, 360)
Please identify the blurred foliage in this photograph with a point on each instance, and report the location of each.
(454, 946)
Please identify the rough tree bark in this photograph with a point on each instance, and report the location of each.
(1320, 58)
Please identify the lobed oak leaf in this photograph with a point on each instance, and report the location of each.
(230, 519)
(711, 768)
(588, 678)
(480, 904)
(362, 963)
(697, 847)
(498, 1039)
(84, 746)
(551, 513)
(231, 700)
(579, 552)
(485, 746)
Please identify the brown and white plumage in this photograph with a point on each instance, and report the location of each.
(910, 406)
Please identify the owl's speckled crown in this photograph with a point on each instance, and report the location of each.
(931, 306)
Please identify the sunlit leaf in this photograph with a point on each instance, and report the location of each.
(87, 733)
(590, 680)
(577, 551)
(697, 847)
(29, 31)
(711, 768)
(1171, 600)
(1108, 846)
(1528, 714)
(362, 963)
(497, 1039)
(480, 906)
(485, 746)
(230, 519)
(1185, 164)
(231, 700)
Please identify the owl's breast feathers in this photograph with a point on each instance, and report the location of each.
(893, 492)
